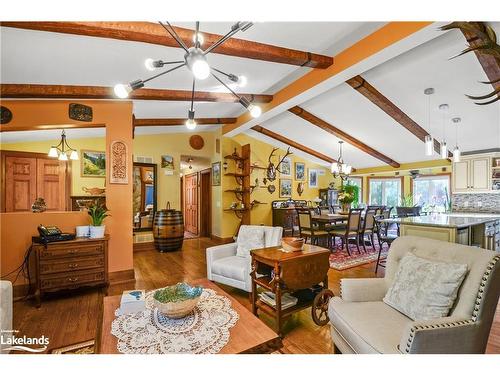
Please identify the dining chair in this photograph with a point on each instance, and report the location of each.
(307, 229)
(368, 227)
(383, 235)
(351, 231)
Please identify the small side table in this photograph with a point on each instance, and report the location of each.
(280, 272)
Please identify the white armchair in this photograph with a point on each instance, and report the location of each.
(362, 323)
(5, 314)
(225, 267)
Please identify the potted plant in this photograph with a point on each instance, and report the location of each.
(97, 213)
(348, 193)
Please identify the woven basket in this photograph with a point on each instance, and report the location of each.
(176, 310)
(290, 244)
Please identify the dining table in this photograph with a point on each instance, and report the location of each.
(329, 218)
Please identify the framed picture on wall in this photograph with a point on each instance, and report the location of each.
(93, 163)
(285, 188)
(286, 167)
(300, 171)
(216, 174)
(313, 178)
(167, 162)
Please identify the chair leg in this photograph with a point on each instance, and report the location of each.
(373, 241)
(363, 242)
(378, 258)
(346, 241)
(357, 244)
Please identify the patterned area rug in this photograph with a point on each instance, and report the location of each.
(340, 260)
(86, 347)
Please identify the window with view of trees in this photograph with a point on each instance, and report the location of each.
(385, 191)
(432, 193)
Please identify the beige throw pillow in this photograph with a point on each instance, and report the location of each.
(423, 289)
(249, 238)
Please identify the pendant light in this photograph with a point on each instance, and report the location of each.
(340, 168)
(456, 150)
(444, 147)
(62, 149)
(429, 141)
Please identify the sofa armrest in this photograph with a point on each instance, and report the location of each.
(448, 335)
(218, 252)
(362, 290)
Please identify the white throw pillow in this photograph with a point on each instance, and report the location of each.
(249, 238)
(423, 289)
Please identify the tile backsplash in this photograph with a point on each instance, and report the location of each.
(476, 202)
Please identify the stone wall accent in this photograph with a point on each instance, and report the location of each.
(489, 202)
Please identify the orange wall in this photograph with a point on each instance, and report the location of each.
(117, 117)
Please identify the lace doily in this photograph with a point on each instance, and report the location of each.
(204, 331)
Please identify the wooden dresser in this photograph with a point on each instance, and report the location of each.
(69, 265)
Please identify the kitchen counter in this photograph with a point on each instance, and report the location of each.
(447, 220)
(474, 229)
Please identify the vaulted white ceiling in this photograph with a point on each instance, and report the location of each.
(52, 58)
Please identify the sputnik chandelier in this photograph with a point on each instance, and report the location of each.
(195, 59)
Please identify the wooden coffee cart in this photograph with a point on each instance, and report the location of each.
(303, 274)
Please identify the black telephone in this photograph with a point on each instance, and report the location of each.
(51, 234)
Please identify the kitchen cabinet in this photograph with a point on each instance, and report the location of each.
(472, 175)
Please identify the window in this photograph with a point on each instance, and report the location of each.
(431, 193)
(358, 181)
(385, 191)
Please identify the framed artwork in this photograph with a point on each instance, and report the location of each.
(286, 167)
(285, 188)
(92, 163)
(167, 162)
(118, 163)
(300, 171)
(313, 178)
(216, 174)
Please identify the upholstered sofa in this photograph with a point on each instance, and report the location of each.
(362, 323)
(5, 314)
(225, 267)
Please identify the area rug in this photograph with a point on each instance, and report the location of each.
(86, 347)
(340, 260)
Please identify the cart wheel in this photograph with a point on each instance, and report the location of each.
(319, 310)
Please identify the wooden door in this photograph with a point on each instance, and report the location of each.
(20, 183)
(480, 173)
(461, 176)
(191, 203)
(51, 183)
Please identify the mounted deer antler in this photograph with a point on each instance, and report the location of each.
(271, 168)
(484, 42)
(288, 152)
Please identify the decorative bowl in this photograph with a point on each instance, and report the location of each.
(292, 243)
(177, 301)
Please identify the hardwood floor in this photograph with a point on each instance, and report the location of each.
(71, 317)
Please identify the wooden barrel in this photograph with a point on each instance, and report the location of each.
(168, 230)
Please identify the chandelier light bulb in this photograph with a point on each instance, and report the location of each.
(53, 152)
(348, 169)
(334, 168)
(73, 155)
(255, 110)
(122, 90)
(201, 69)
(191, 124)
(149, 64)
(444, 150)
(242, 81)
(456, 154)
(429, 145)
(201, 39)
(63, 156)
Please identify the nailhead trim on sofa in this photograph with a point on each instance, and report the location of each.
(477, 307)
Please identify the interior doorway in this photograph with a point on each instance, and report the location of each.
(196, 196)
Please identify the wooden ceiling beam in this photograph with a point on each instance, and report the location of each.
(314, 120)
(154, 33)
(376, 97)
(181, 121)
(293, 144)
(489, 63)
(16, 91)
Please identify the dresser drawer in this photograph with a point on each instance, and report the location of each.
(54, 265)
(63, 250)
(72, 279)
